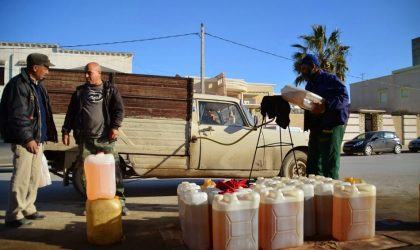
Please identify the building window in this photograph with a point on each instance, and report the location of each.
(383, 96)
(404, 92)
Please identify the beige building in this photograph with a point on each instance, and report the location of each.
(250, 94)
(390, 102)
(398, 93)
(13, 58)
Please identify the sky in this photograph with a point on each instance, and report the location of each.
(378, 32)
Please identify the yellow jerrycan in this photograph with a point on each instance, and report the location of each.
(103, 219)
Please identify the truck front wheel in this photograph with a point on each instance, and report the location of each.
(291, 168)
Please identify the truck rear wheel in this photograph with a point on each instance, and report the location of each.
(78, 181)
(289, 167)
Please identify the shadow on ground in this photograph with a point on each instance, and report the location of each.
(148, 233)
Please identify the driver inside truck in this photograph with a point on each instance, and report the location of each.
(209, 117)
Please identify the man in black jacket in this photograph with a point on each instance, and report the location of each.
(26, 122)
(94, 114)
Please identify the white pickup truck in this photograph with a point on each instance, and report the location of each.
(169, 132)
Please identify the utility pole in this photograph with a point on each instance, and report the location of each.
(202, 59)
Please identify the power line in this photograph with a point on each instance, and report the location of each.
(131, 41)
(358, 77)
(110, 43)
(249, 47)
(262, 51)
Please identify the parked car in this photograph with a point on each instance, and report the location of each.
(414, 145)
(373, 142)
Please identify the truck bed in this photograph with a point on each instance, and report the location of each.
(156, 129)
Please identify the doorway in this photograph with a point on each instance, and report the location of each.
(368, 122)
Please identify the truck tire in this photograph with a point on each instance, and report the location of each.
(77, 179)
(289, 168)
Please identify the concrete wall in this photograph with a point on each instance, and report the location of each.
(396, 94)
(387, 123)
(407, 92)
(353, 127)
(365, 95)
(418, 126)
(409, 128)
(397, 119)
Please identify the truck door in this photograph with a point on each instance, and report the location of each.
(224, 123)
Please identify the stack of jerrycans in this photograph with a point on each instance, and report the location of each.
(210, 220)
(103, 208)
(344, 210)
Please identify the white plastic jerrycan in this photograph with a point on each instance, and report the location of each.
(196, 231)
(281, 218)
(309, 214)
(354, 212)
(181, 190)
(324, 207)
(303, 98)
(235, 221)
(100, 176)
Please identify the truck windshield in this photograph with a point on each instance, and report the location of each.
(248, 115)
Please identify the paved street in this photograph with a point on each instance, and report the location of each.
(153, 222)
(396, 177)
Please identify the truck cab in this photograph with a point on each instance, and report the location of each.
(225, 144)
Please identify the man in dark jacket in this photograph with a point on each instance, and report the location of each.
(27, 123)
(94, 114)
(326, 120)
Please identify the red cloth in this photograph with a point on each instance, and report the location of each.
(231, 186)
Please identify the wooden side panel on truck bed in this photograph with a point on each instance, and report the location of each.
(155, 132)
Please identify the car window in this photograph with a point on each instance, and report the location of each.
(220, 114)
(360, 137)
(389, 135)
(381, 135)
(364, 136)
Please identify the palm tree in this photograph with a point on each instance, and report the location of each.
(330, 52)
